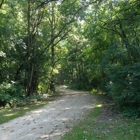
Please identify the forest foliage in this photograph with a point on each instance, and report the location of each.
(87, 44)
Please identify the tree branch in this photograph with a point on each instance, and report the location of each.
(1, 3)
(42, 4)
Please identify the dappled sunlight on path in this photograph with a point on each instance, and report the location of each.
(52, 121)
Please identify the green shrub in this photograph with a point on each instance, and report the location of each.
(10, 93)
(124, 88)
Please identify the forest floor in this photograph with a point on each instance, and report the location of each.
(53, 120)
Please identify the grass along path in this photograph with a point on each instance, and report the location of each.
(103, 124)
(7, 114)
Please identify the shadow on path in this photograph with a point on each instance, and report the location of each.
(52, 121)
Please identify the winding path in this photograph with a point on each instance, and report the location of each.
(51, 121)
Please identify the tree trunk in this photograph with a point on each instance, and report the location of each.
(52, 81)
(29, 69)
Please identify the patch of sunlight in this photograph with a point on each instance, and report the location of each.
(93, 91)
(99, 105)
(67, 108)
(25, 108)
(55, 71)
(58, 66)
(38, 111)
(64, 86)
(2, 54)
(8, 115)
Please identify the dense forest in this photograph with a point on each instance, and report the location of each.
(87, 44)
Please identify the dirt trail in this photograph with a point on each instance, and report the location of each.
(51, 121)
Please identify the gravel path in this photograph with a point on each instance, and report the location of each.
(51, 121)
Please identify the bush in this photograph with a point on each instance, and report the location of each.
(10, 93)
(124, 88)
